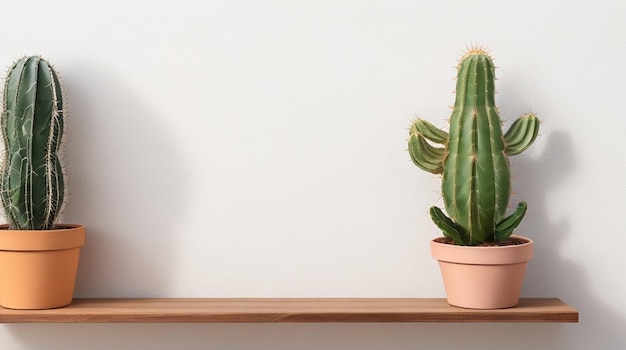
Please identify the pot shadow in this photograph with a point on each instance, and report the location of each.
(126, 185)
(549, 274)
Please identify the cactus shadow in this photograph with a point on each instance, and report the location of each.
(120, 189)
(550, 274)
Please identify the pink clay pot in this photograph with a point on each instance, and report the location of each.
(483, 277)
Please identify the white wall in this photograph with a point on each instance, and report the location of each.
(257, 148)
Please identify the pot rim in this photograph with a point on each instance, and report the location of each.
(66, 236)
(496, 255)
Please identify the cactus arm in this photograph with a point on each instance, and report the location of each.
(521, 134)
(425, 156)
(505, 228)
(429, 131)
(447, 226)
(422, 154)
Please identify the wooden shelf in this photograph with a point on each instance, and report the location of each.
(288, 310)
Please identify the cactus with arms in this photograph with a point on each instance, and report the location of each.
(474, 158)
(31, 182)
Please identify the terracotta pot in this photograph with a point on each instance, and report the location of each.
(38, 268)
(483, 277)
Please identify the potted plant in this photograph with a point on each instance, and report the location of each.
(38, 257)
(481, 261)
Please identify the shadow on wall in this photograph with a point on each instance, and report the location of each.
(549, 273)
(127, 185)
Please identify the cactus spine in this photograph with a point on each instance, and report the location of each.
(474, 158)
(31, 182)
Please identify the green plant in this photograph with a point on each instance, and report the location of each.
(31, 181)
(474, 158)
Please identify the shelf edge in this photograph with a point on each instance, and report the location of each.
(292, 310)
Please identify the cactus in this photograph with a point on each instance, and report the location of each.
(473, 161)
(31, 181)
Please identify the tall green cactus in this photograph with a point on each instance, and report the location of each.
(31, 182)
(473, 160)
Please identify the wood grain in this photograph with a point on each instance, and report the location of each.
(287, 310)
